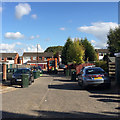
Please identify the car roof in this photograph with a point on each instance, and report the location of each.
(12, 68)
(24, 68)
(93, 68)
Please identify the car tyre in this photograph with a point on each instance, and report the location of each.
(108, 86)
(82, 86)
(32, 79)
(21, 86)
(11, 83)
(30, 82)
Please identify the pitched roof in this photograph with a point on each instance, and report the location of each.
(102, 50)
(8, 54)
(40, 54)
(36, 61)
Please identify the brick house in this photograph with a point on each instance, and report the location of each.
(101, 53)
(40, 58)
(6, 61)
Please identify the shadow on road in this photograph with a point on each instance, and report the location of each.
(64, 80)
(60, 115)
(66, 86)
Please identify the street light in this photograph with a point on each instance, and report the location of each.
(37, 55)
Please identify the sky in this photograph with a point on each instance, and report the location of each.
(26, 24)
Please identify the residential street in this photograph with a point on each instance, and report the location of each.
(56, 96)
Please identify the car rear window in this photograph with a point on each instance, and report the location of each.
(95, 71)
(22, 71)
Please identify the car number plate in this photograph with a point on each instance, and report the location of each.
(97, 78)
(19, 80)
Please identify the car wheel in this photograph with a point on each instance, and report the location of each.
(11, 83)
(32, 79)
(21, 86)
(82, 85)
(30, 82)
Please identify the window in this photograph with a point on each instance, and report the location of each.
(9, 58)
(40, 58)
(27, 57)
(34, 58)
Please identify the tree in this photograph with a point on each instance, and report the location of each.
(54, 49)
(90, 53)
(114, 41)
(66, 52)
(78, 52)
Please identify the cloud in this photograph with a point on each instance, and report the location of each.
(34, 16)
(22, 9)
(18, 48)
(11, 35)
(62, 28)
(99, 30)
(0, 9)
(33, 48)
(98, 44)
(34, 37)
(9, 48)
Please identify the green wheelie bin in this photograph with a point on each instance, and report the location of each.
(73, 76)
(25, 80)
(66, 72)
(35, 74)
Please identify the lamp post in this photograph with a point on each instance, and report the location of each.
(37, 55)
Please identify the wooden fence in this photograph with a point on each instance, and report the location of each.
(111, 67)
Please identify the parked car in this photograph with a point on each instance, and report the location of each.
(62, 66)
(10, 72)
(38, 68)
(93, 76)
(17, 76)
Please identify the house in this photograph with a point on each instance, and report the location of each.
(11, 58)
(7, 60)
(101, 53)
(38, 58)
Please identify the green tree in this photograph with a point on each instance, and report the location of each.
(114, 41)
(90, 53)
(66, 52)
(78, 52)
(54, 49)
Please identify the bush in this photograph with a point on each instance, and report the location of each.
(102, 64)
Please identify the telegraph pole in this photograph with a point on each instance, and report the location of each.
(37, 55)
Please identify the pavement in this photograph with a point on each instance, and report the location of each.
(56, 96)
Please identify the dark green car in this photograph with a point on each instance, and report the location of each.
(10, 72)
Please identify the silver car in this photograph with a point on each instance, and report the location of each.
(93, 76)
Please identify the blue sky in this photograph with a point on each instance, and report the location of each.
(24, 25)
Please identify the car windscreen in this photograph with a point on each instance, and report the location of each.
(21, 71)
(95, 71)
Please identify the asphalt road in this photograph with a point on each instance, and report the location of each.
(57, 96)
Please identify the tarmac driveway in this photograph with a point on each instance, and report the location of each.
(56, 96)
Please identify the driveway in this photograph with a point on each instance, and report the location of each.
(56, 96)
